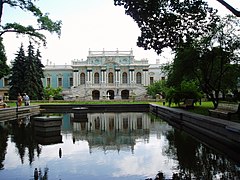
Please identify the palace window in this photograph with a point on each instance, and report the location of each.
(151, 80)
(70, 81)
(124, 78)
(82, 78)
(110, 77)
(96, 78)
(48, 82)
(139, 78)
(60, 82)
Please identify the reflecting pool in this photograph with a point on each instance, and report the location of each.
(106, 146)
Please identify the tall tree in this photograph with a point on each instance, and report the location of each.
(40, 74)
(33, 73)
(213, 60)
(27, 74)
(17, 74)
(4, 70)
(43, 20)
(168, 23)
(30, 76)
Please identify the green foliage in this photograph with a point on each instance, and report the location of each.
(187, 90)
(206, 46)
(34, 73)
(157, 87)
(17, 74)
(212, 60)
(168, 23)
(43, 21)
(54, 93)
(4, 70)
(26, 74)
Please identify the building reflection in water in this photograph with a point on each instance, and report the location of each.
(111, 131)
(157, 147)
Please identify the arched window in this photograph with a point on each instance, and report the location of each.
(82, 78)
(139, 78)
(110, 77)
(95, 95)
(124, 78)
(96, 78)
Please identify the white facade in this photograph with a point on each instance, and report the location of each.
(104, 75)
(110, 75)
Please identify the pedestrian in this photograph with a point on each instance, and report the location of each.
(26, 99)
(35, 174)
(19, 100)
(2, 103)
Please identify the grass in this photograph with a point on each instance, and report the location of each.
(203, 108)
(13, 104)
(198, 108)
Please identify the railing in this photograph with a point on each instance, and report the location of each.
(18, 112)
(110, 53)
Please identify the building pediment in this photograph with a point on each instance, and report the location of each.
(111, 63)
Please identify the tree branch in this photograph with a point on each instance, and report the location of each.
(30, 33)
(230, 8)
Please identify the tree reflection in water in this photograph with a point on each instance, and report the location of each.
(23, 137)
(196, 160)
(3, 145)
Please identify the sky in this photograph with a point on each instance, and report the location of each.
(86, 24)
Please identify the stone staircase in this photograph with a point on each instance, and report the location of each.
(84, 92)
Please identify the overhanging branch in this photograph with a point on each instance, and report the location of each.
(230, 8)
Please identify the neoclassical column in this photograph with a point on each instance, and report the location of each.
(103, 76)
(131, 76)
(106, 76)
(89, 76)
(145, 77)
(117, 76)
(75, 77)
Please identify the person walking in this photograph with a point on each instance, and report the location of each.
(19, 100)
(26, 99)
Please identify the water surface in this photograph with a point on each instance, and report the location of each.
(107, 146)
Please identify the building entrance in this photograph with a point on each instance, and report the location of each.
(111, 94)
(125, 94)
(95, 95)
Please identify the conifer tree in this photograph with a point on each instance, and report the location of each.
(27, 74)
(30, 79)
(17, 74)
(39, 74)
(34, 73)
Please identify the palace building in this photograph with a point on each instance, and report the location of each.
(103, 75)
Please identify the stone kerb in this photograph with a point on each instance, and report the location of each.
(222, 130)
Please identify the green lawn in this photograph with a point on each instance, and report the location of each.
(13, 104)
(198, 108)
(203, 108)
